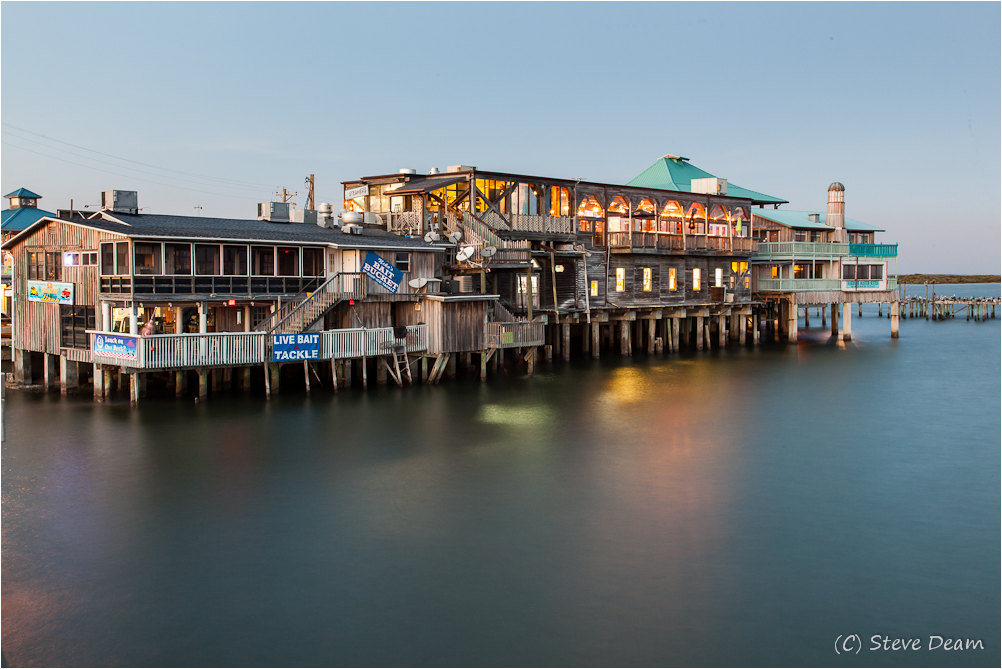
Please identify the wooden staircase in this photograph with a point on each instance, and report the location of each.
(304, 315)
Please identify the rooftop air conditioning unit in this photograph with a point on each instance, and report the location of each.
(465, 283)
(122, 201)
(351, 229)
(709, 185)
(273, 212)
(460, 168)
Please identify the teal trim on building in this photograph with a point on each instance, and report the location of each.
(802, 220)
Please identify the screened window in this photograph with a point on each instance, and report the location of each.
(36, 265)
(718, 277)
(121, 258)
(74, 321)
(234, 260)
(206, 259)
(648, 279)
(620, 279)
(848, 272)
(177, 258)
(696, 279)
(107, 259)
(148, 258)
(672, 278)
(800, 235)
(288, 261)
(594, 288)
(876, 271)
(53, 266)
(313, 262)
(263, 260)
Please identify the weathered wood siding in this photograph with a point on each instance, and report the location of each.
(455, 326)
(422, 264)
(36, 324)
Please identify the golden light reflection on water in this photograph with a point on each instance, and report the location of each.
(516, 416)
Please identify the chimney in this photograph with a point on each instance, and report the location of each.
(835, 217)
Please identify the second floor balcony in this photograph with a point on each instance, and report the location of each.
(822, 250)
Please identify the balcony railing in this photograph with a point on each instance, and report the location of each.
(665, 241)
(514, 334)
(226, 349)
(220, 285)
(805, 250)
(874, 250)
(794, 285)
(358, 342)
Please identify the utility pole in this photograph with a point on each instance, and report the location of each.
(310, 204)
(285, 195)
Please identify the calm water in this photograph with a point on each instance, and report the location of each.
(736, 508)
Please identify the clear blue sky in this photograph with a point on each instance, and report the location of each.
(225, 102)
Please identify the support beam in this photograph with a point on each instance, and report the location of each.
(894, 319)
(624, 338)
(756, 335)
(596, 340)
(845, 334)
(699, 333)
(834, 319)
(203, 384)
(722, 331)
(180, 383)
(50, 371)
(69, 375)
(306, 375)
(793, 323)
(565, 344)
(134, 391)
(98, 382)
(22, 366)
(651, 335)
(675, 327)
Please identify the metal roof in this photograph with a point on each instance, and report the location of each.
(159, 226)
(21, 217)
(22, 192)
(426, 184)
(676, 173)
(801, 219)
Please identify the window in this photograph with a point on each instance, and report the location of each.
(800, 236)
(522, 284)
(206, 259)
(234, 260)
(88, 259)
(177, 258)
(620, 279)
(815, 235)
(107, 259)
(36, 265)
(848, 272)
(263, 260)
(74, 322)
(402, 261)
(560, 202)
(288, 261)
(718, 277)
(648, 279)
(71, 259)
(672, 278)
(121, 258)
(696, 279)
(737, 270)
(148, 260)
(594, 288)
(876, 272)
(313, 262)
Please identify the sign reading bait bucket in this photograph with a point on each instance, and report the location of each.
(288, 347)
(50, 291)
(115, 346)
(382, 272)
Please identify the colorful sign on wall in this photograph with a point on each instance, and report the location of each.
(50, 291)
(382, 272)
(288, 347)
(115, 346)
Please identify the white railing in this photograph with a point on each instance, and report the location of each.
(218, 349)
(767, 250)
(793, 285)
(514, 334)
(358, 342)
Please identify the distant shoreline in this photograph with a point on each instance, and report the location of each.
(948, 278)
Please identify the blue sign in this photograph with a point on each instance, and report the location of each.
(115, 346)
(288, 347)
(382, 272)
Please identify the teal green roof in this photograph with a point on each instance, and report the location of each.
(676, 173)
(22, 217)
(22, 192)
(801, 219)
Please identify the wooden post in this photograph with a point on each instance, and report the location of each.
(651, 336)
(894, 320)
(346, 369)
(98, 382)
(203, 384)
(860, 309)
(675, 322)
(834, 319)
(624, 337)
(267, 381)
(880, 309)
(846, 332)
(722, 331)
(596, 340)
(276, 377)
(807, 317)
(699, 333)
(530, 360)
(756, 337)
(585, 339)
(483, 365)
(306, 374)
(134, 389)
(824, 317)
(50, 371)
(450, 367)
(380, 374)
(365, 373)
(69, 375)
(565, 344)
(742, 330)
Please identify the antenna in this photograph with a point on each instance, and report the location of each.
(455, 237)
(465, 253)
(488, 251)
(431, 236)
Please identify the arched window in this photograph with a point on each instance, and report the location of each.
(696, 219)
(590, 207)
(740, 222)
(671, 217)
(718, 213)
(646, 215)
(619, 205)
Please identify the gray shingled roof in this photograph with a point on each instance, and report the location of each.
(199, 227)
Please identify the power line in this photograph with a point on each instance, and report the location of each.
(98, 169)
(137, 162)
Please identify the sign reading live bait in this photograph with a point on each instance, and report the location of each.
(286, 347)
(382, 272)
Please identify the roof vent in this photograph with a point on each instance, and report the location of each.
(121, 201)
(460, 168)
(433, 170)
(273, 212)
(814, 218)
(406, 170)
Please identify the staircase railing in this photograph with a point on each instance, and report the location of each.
(340, 286)
(269, 323)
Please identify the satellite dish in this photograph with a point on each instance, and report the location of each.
(488, 251)
(419, 282)
(465, 253)
(455, 236)
(431, 236)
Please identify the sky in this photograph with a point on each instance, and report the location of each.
(208, 108)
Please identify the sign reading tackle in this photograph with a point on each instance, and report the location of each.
(288, 347)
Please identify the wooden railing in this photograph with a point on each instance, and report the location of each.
(278, 315)
(511, 256)
(514, 334)
(218, 349)
(358, 342)
(805, 250)
(221, 285)
(558, 225)
(340, 286)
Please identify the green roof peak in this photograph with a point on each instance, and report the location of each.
(671, 172)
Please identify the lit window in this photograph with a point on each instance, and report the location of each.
(648, 279)
(594, 288)
(672, 278)
(696, 285)
(620, 279)
(718, 277)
